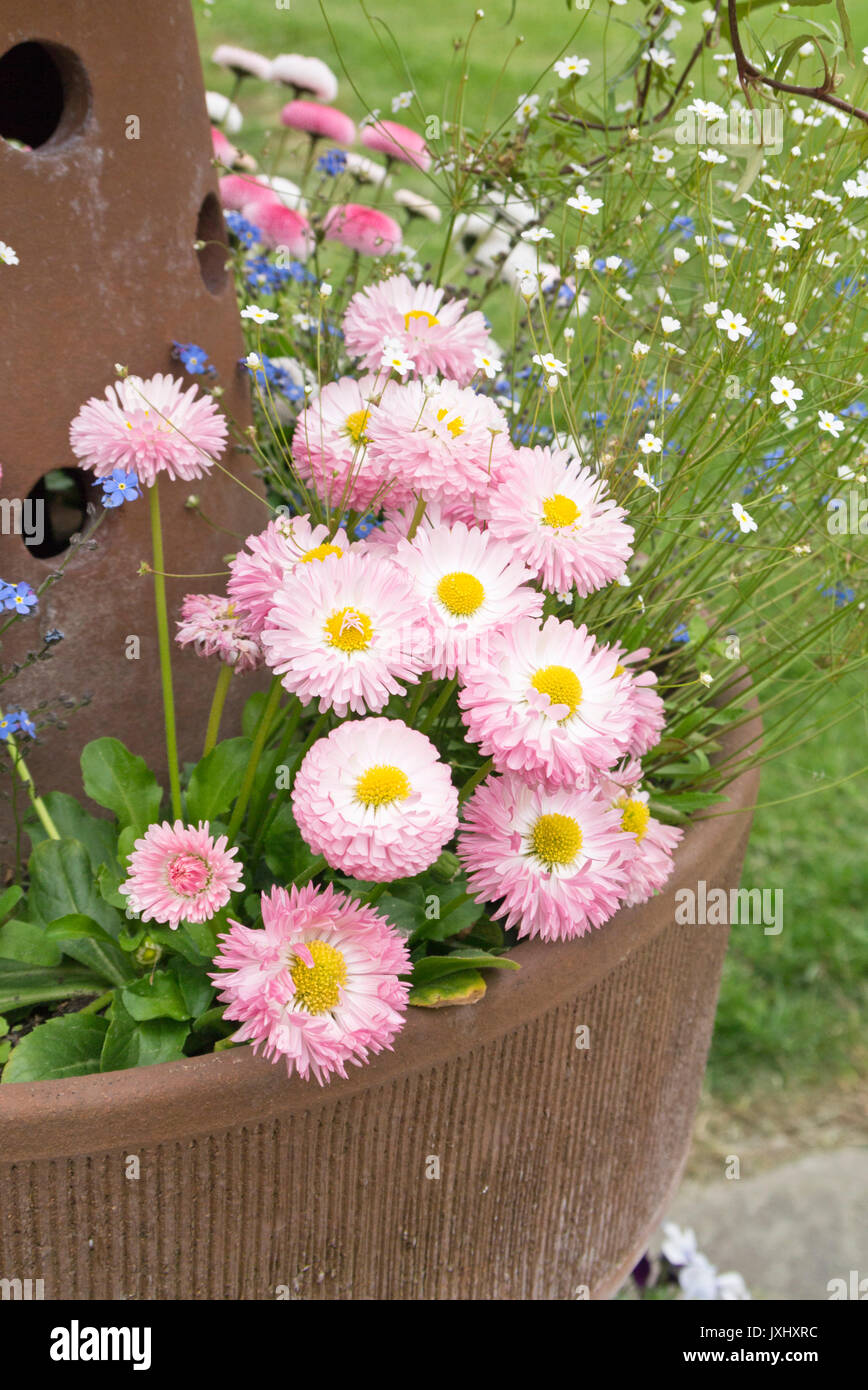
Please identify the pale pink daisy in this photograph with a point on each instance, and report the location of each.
(651, 844)
(546, 703)
(212, 625)
(282, 228)
(180, 873)
(558, 517)
(472, 586)
(554, 860)
(317, 984)
(239, 190)
(439, 337)
(305, 75)
(644, 706)
(318, 121)
(397, 141)
(346, 633)
(329, 444)
(286, 542)
(375, 800)
(362, 228)
(243, 62)
(444, 442)
(149, 427)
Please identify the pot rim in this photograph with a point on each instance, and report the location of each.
(218, 1091)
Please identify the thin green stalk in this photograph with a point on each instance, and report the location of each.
(271, 705)
(472, 782)
(165, 650)
(99, 1003)
(221, 690)
(38, 804)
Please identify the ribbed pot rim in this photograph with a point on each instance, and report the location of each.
(175, 1100)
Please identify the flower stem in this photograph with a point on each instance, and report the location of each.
(473, 781)
(221, 690)
(165, 651)
(310, 872)
(96, 1005)
(265, 723)
(26, 776)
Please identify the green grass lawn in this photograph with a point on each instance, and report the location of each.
(790, 1004)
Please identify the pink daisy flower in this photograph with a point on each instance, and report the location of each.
(555, 861)
(374, 799)
(363, 229)
(243, 62)
(321, 122)
(651, 843)
(282, 228)
(223, 149)
(239, 190)
(644, 705)
(256, 573)
(444, 442)
(149, 427)
(472, 587)
(305, 75)
(212, 626)
(557, 517)
(317, 984)
(397, 141)
(346, 633)
(546, 704)
(180, 873)
(329, 445)
(438, 336)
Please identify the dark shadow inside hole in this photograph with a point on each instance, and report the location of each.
(214, 251)
(55, 511)
(43, 92)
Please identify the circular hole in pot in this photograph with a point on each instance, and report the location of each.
(54, 511)
(213, 244)
(44, 94)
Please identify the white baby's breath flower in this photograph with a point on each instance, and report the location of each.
(735, 326)
(790, 328)
(644, 479)
(550, 364)
(785, 392)
(745, 520)
(650, 444)
(640, 349)
(829, 423)
(669, 324)
(256, 314)
(572, 67)
(7, 255)
(489, 366)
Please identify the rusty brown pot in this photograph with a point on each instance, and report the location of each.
(555, 1163)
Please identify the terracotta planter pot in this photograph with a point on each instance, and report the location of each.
(555, 1163)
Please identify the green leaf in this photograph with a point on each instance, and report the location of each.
(254, 709)
(28, 942)
(130, 1042)
(10, 899)
(846, 30)
(404, 909)
(212, 1021)
(196, 989)
(86, 941)
(286, 853)
(157, 998)
(451, 919)
(62, 1047)
(464, 987)
(98, 836)
(22, 985)
(117, 779)
(62, 882)
(465, 958)
(216, 780)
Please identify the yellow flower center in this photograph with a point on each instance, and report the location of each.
(619, 670)
(634, 815)
(318, 986)
(356, 424)
(455, 427)
(562, 686)
(320, 552)
(559, 511)
(349, 630)
(429, 319)
(460, 593)
(382, 784)
(556, 839)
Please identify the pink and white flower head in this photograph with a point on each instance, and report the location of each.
(320, 122)
(397, 141)
(346, 633)
(305, 75)
(439, 337)
(281, 227)
(554, 860)
(224, 150)
(546, 704)
(212, 625)
(366, 230)
(238, 191)
(329, 444)
(149, 427)
(441, 441)
(651, 844)
(243, 62)
(644, 705)
(285, 544)
(375, 800)
(318, 984)
(180, 873)
(472, 585)
(557, 517)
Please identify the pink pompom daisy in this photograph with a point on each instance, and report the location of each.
(557, 517)
(555, 861)
(149, 427)
(329, 444)
(286, 542)
(243, 62)
(397, 141)
(444, 442)
(282, 228)
(346, 633)
(374, 799)
(651, 844)
(644, 705)
(239, 190)
(363, 229)
(212, 626)
(546, 704)
(439, 337)
(472, 586)
(318, 984)
(223, 149)
(180, 873)
(323, 122)
(305, 75)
